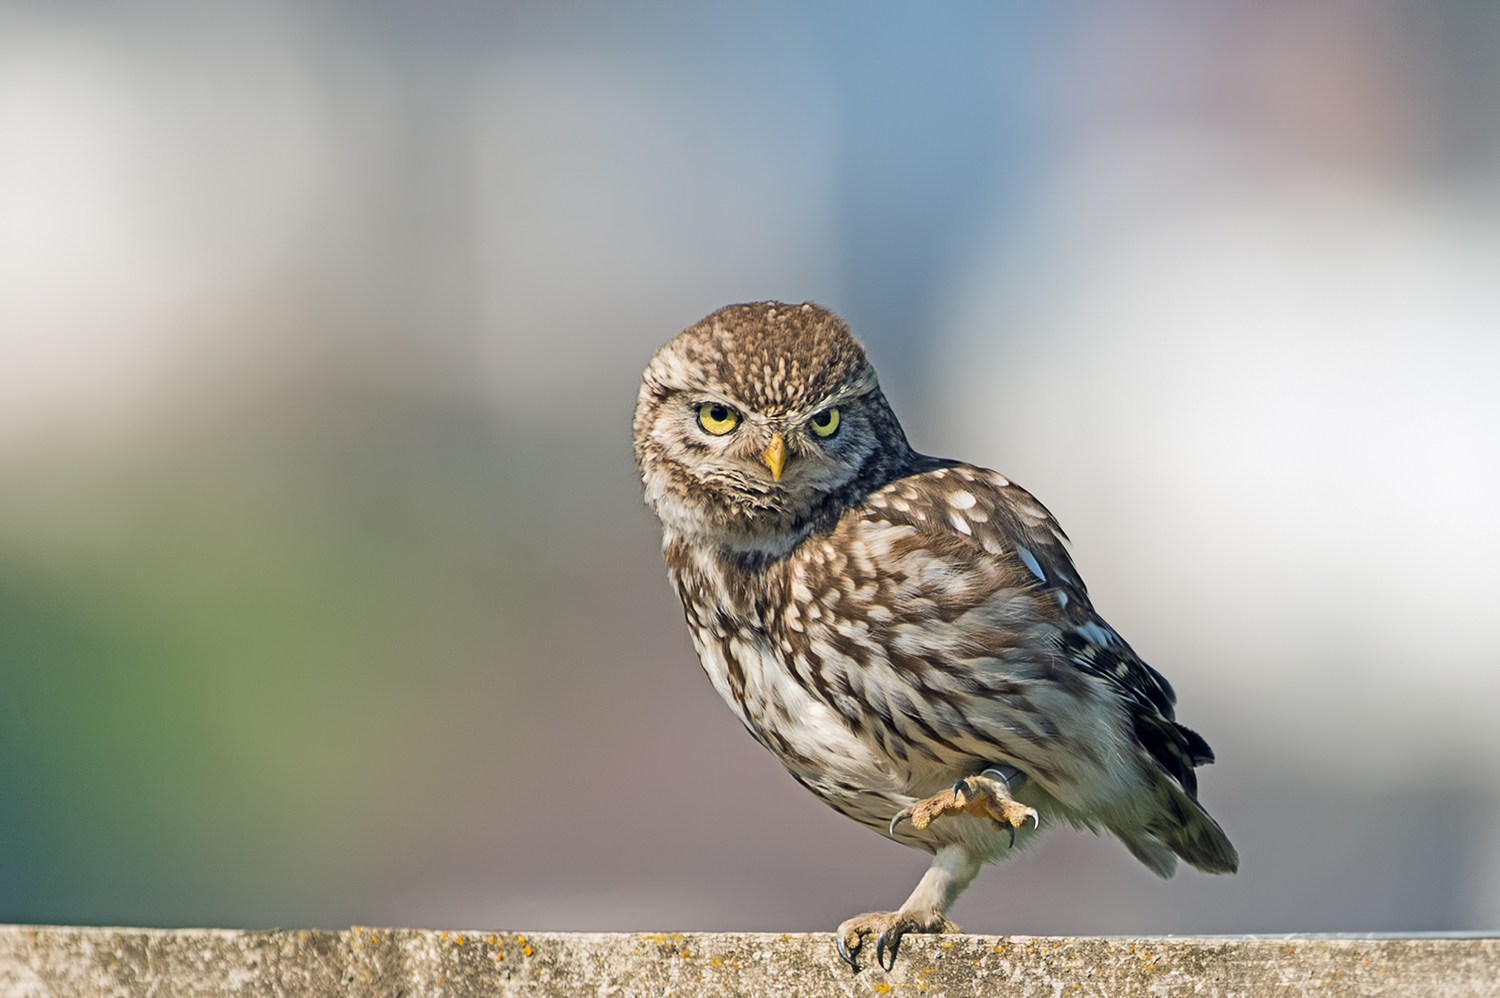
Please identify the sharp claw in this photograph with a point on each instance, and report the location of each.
(960, 791)
(1012, 829)
(882, 945)
(901, 816)
(844, 952)
(1036, 819)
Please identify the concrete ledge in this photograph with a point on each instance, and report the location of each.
(44, 961)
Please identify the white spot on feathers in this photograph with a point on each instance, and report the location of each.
(957, 519)
(961, 500)
(1098, 634)
(1031, 563)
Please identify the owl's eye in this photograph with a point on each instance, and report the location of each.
(826, 422)
(717, 418)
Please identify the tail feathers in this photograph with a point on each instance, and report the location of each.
(1183, 828)
(1158, 858)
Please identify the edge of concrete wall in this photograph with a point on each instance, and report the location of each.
(40, 961)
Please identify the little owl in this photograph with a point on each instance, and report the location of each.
(906, 634)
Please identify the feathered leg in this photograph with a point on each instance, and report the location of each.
(953, 868)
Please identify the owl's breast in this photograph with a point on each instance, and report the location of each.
(754, 677)
(752, 669)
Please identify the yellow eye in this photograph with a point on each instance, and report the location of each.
(825, 422)
(717, 418)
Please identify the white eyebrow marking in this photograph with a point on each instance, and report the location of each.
(1030, 561)
(961, 500)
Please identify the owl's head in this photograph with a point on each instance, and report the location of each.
(761, 423)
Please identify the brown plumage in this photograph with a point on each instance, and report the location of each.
(907, 635)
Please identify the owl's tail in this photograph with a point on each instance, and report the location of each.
(1180, 828)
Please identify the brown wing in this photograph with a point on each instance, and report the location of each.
(1093, 646)
(973, 506)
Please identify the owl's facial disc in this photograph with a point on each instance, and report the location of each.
(718, 469)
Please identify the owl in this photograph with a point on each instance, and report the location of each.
(906, 634)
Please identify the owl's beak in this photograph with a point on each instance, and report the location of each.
(775, 456)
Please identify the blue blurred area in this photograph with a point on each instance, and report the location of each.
(326, 593)
(933, 144)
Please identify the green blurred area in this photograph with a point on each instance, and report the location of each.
(226, 670)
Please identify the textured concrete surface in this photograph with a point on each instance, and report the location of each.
(45, 961)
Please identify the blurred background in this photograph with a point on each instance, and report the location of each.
(326, 592)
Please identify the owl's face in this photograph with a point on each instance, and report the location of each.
(759, 423)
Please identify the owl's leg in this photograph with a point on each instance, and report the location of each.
(953, 868)
(984, 796)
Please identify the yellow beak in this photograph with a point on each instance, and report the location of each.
(775, 456)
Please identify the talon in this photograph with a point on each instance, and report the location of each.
(960, 792)
(1036, 819)
(881, 946)
(1012, 830)
(844, 952)
(901, 815)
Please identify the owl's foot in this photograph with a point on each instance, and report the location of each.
(977, 796)
(887, 927)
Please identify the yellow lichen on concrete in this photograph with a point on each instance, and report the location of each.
(124, 963)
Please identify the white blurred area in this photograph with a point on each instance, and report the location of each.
(149, 191)
(320, 329)
(1252, 359)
